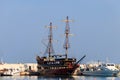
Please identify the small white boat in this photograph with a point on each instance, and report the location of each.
(107, 69)
(11, 72)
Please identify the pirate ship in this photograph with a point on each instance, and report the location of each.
(57, 64)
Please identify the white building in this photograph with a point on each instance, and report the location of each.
(15, 69)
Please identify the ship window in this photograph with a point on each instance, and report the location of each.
(99, 66)
(57, 62)
(104, 65)
(101, 69)
(112, 64)
(108, 64)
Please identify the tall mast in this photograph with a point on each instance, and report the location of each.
(50, 49)
(67, 32)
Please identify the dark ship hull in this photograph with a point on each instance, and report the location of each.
(57, 72)
(55, 67)
(60, 72)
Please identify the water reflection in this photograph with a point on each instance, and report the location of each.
(58, 78)
(19, 78)
(79, 78)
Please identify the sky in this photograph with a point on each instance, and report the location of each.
(95, 26)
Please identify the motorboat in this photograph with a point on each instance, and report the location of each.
(106, 69)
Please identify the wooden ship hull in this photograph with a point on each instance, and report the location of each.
(57, 66)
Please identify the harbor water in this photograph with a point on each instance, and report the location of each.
(57, 78)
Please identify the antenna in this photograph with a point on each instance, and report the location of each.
(67, 32)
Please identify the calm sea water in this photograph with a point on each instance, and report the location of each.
(57, 78)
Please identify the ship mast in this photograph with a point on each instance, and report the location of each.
(67, 32)
(49, 48)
